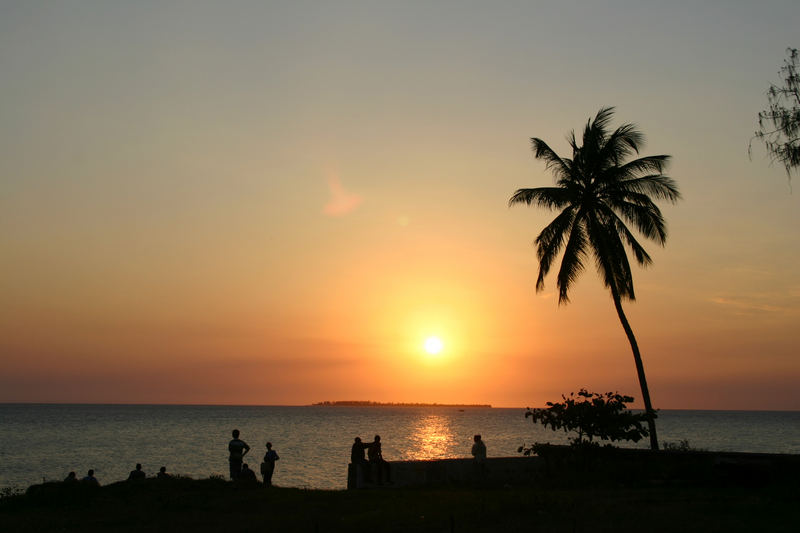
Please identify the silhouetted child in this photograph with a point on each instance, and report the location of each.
(162, 473)
(238, 449)
(136, 474)
(377, 462)
(247, 476)
(90, 478)
(71, 478)
(268, 466)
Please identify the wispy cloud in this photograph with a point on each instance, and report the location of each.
(341, 202)
(747, 306)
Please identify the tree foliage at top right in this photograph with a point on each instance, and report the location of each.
(779, 124)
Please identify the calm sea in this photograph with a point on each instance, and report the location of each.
(47, 441)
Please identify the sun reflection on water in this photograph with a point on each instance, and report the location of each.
(432, 439)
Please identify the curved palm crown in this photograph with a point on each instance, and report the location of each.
(598, 193)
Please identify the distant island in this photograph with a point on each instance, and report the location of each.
(361, 403)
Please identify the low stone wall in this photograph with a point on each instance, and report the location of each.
(494, 471)
(562, 465)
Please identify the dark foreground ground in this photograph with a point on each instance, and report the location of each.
(216, 505)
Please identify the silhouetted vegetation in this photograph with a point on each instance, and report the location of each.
(779, 124)
(9, 492)
(681, 446)
(591, 415)
(597, 192)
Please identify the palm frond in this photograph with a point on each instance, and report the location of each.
(610, 257)
(550, 241)
(641, 255)
(620, 144)
(549, 197)
(541, 150)
(643, 165)
(603, 117)
(658, 186)
(572, 264)
(645, 216)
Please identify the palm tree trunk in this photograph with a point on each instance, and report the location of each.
(637, 357)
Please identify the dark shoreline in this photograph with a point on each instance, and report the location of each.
(366, 403)
(218, 505)
(589, 490)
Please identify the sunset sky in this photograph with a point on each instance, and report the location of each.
(279, 202)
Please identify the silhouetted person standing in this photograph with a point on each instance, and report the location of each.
(357, 452)
(238, 449)
(137, 473)
(375, 454)
(359, 460)
(268, 466)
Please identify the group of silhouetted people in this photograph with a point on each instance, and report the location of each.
(138, 474)
(366, 457)
(89, 479)
(240, 471)
(72, 477)
(135, 475)
(373, 463)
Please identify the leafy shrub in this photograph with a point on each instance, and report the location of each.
(591, 415)
(10, 492)
(681, 446)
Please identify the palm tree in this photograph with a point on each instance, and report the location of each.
(597, 193)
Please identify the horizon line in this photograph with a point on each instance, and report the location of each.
(146, 404)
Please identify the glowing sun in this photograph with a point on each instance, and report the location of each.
(433, 345)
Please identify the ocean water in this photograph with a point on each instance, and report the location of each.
(45, 442)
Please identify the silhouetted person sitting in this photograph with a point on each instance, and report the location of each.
(162, 473)
(268, 466)
(377, 462)
(90, 478)
(238, 449)
(71, 478)
(479, 449)
(136, 474)
(247, 476)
